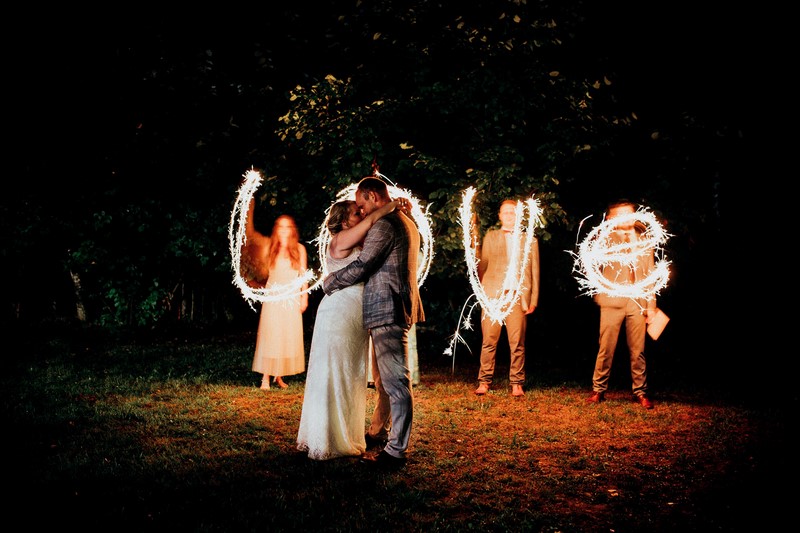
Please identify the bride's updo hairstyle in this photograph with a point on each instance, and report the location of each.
(340, 211)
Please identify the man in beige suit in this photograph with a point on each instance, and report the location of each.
(616, 310)
(492, 272)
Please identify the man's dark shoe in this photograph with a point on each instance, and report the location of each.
(383, 461)
(374, 443)
(645, 401)
(596, 397)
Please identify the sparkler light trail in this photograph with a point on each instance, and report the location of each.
(598, 250)
(421, 218)
(519, 256)
(237, 239)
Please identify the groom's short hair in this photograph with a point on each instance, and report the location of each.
(376, 185)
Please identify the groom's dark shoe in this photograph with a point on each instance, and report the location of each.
(384, 461)
(374, 443)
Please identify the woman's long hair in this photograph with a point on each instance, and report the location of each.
(292, 244)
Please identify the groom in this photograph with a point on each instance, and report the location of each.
(387, 264)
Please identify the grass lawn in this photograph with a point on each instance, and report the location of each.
(175, 435)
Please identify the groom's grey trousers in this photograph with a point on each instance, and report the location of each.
(395, 407)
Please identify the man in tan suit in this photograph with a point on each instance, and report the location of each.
(494, 259)
(616, 310)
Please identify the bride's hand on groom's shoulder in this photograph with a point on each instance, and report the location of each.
(403, 205)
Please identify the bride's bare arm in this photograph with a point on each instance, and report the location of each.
(349, 238)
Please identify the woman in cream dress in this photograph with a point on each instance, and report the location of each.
(280, 349)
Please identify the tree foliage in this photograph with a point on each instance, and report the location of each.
(515, 98)
(485, 97)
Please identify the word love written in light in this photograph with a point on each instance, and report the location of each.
(598, 250)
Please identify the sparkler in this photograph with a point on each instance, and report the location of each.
(496, 308)
(598, 250)
(237, 239)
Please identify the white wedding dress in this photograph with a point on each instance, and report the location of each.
(332, 421)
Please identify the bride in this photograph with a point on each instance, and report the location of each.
(334, 403)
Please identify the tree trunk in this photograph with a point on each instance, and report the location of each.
(80, 310)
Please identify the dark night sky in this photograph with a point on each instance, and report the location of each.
(669, 58)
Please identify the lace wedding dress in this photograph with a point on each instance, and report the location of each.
(332, 421)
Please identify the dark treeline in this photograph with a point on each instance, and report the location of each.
(130, 140)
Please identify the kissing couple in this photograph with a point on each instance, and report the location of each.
(371, 291)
